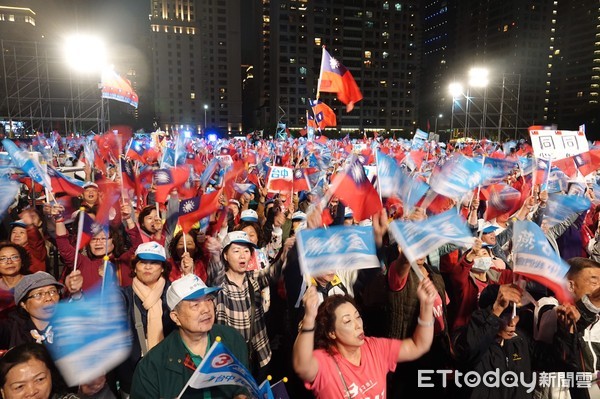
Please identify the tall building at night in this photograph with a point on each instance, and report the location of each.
(513, 41)
(575, 79)
(196, 56)
(377, 41)
(438, 38)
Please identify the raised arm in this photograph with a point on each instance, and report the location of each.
(305, 364)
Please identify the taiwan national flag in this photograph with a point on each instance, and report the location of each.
(135, 151)
(116, 88)
(356, 191)
(168, 179)
(541, 173)
(301, 182)
(324, 116)
(587, 162)
(191, 210)
(64, 184)
(335, 78)
(89, 229)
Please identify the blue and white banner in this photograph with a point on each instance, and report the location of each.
(419, 139)
(496, 169)
(336, 248)
(535, 258)
(561, 206)
(8, 193)
(220, 367)
(29, 165)
(457, 176)
(419, 239)
(387, 174)
(91, 336)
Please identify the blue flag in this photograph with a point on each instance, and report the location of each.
(457, 176)
(220, 367)
(561, 206)
(535, 259)
(91, 336)
(23, 161)
(8, 192)
(209, 172)
(387, 174)
(496, 169)
(336, 248)
(418, 239)
(419, 139)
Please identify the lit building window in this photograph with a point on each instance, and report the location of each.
(398, 7)
(385, 54)
(317, 41)
(192, 96)
(11, 18)
(292, 60)
(386, 5)
(367, 54)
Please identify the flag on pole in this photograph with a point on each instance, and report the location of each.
(335, 78)
(336, 248)
(117, 88)
(535, 259)
(93, 335)
(168, 179)
(220, 367)
(62, 183)
(191, 210)
(560, 207)
(356, 191)
(280, 179)
(324, 116)
(418, 239)
(27, 164)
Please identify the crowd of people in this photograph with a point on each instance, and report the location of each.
(236, 276)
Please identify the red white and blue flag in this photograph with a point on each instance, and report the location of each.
(191, 210)
(168, 179)
(355, 190)
(116, 88)
(335, 78)
(324, 116)
(62, 183)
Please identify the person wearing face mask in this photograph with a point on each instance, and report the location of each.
(474, 271)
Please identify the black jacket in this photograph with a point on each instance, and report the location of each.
(478, 349)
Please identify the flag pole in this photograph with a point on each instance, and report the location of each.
(119, 142)
(81, 215)
(320, 71)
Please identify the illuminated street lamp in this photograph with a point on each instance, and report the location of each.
(478, 78)
(456, 90)
(205, 109)
(440, 116)
(85, 53)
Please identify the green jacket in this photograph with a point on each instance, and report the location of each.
(161, 374)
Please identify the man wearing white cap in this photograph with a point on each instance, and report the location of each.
(165, 370)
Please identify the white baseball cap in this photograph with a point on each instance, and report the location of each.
(237, 237)
(187, 288)
(151, 251)
(249, 215)
(299, 215)
(348, 213)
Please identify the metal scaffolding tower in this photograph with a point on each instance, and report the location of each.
(38, 92)
(491, 111)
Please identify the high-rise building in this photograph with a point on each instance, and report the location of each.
(512, 41)
(438, 40)
(196, 56)
(377, 41)
(575, 79)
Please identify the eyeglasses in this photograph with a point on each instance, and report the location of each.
(13, 258)
(100, 239)
(39, 295)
